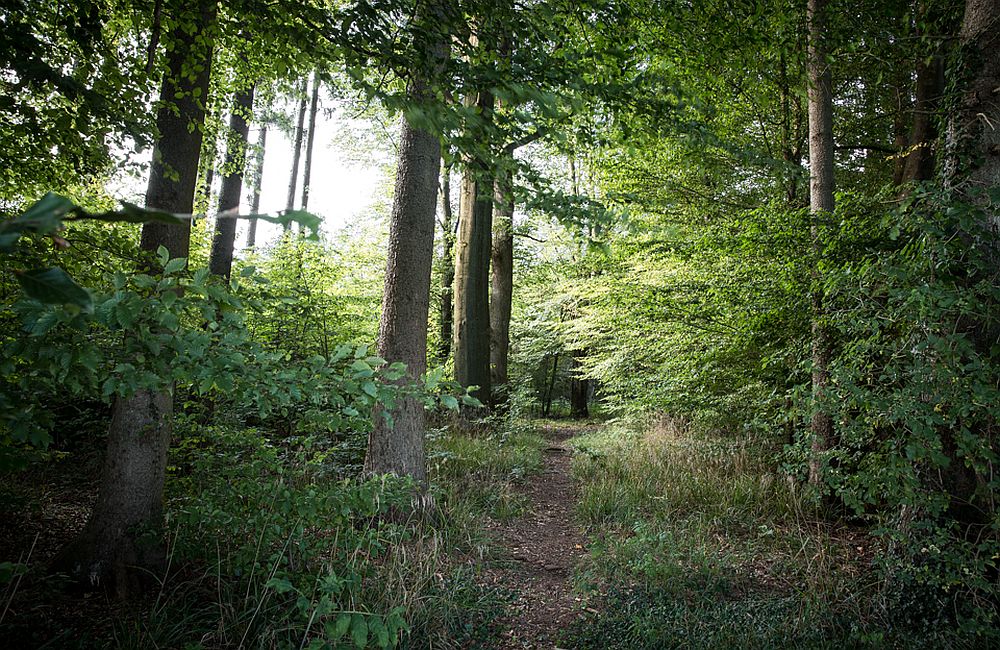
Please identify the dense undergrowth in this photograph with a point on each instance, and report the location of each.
(699, 541)
(271, 545)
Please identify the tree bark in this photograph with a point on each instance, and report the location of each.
(502, 290)
(975, 128)
(579, 390)
(547, 403)
(307, 171)
(174, 172)
(446, 305)
(121, 547)
(821, 204)
(221, 259)
(919, 164)
(258, 179)
(398, 447)
(930, 86)
(472, 272)
(296, 151)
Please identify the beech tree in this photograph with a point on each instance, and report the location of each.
(310, 139)
(223, 242)
(446, 305)
(396, 442)
(821, 204)
(472, 267)
(260, 149)
(121, 547)
(293, 178)
(502, 284)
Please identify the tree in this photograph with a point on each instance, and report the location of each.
(307, 171)
(975, 127)
(260, 148)
(821, 206)
(221, 260)
(446, 306)
(396, 443)
(121, 546)
(296, 149)
(472, 267)
(502, 285)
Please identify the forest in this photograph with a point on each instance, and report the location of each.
(624, 324)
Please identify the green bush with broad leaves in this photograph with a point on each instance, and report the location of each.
(178, 330)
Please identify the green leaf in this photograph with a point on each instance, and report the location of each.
(43, 217)
(53, 286)
(370, 388)
(280, 585)
(359, 631)
(340, 627)
(449, 402)
(174, 265)
(377, 628)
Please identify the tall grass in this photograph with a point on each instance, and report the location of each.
(699, 541)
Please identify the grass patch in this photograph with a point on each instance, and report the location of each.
(697, 541)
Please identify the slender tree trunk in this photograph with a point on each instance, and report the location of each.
(296, 151)
(121, 546)
(258, 179)
(579, 390)
(472, 272)
(547, 405)
(447, 306)
(900, 133)
(307, 171)
(398, 447)
(502, 290)
(221, 260)
(209, 180)
(822, 206)
(919, 164)
(791, 146)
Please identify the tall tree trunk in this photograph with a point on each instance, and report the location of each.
(579, 390)
(121, 546)
(296, 151)
(221, 260)
(398, 447)
(258, 179)
(791, 134)
(447, 307)
(472, 271)
(307, 171)
(972, 164)
(923, 133)
(900, 133)
(547, 402)
(974, 130)
(502, 290)
(822, 206)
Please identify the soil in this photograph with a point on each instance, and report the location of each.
(543, 547)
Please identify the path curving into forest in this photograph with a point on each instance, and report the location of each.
(542, 549)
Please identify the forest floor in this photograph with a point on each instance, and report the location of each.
(542, 549)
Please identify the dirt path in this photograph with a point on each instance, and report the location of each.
(544, 546)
